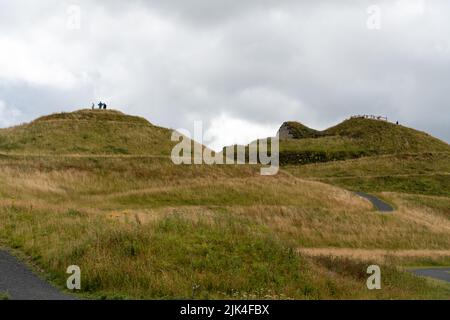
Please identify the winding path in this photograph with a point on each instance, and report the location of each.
(435, 273)
(378, 203)
(18, 282)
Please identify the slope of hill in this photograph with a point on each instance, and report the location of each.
(382, 137)
(142, 227)
(422, 173)
(296, 130)
(87, 132)
(356, 138)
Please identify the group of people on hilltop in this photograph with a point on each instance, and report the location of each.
(101, 105)
(365, 116)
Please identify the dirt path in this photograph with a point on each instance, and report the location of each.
(18, 282)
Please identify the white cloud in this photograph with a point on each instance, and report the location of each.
(410, 8)
(225, 131)
(8, 115)
(255, 64)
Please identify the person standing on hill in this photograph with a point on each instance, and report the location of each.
(100, 105)
(104, 106)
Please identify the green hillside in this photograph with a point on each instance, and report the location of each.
(421, 173)
(300, 131)
(382, 137)
(358, 137)
(96, 189)
(87, 132)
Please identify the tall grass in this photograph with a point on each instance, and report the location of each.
(219, 256)
(106, 197)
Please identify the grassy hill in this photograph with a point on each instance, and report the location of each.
(87, 132)
(300, 131)
(141, 227)
(382, 137)
(355, 138)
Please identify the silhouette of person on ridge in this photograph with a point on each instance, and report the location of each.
(101, 106)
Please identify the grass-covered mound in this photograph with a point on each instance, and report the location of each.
(300, 131)
(141, 227)
(382, 137)
(87, 132)
(355, 138)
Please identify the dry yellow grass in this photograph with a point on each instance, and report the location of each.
(305, 213)
(378, 255)
(130, 223)
(107, 198)
(420, 215)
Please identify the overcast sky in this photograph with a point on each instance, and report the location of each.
(242, 67)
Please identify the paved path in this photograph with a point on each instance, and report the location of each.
(435, 273)
(378, 203)
(20, 283)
